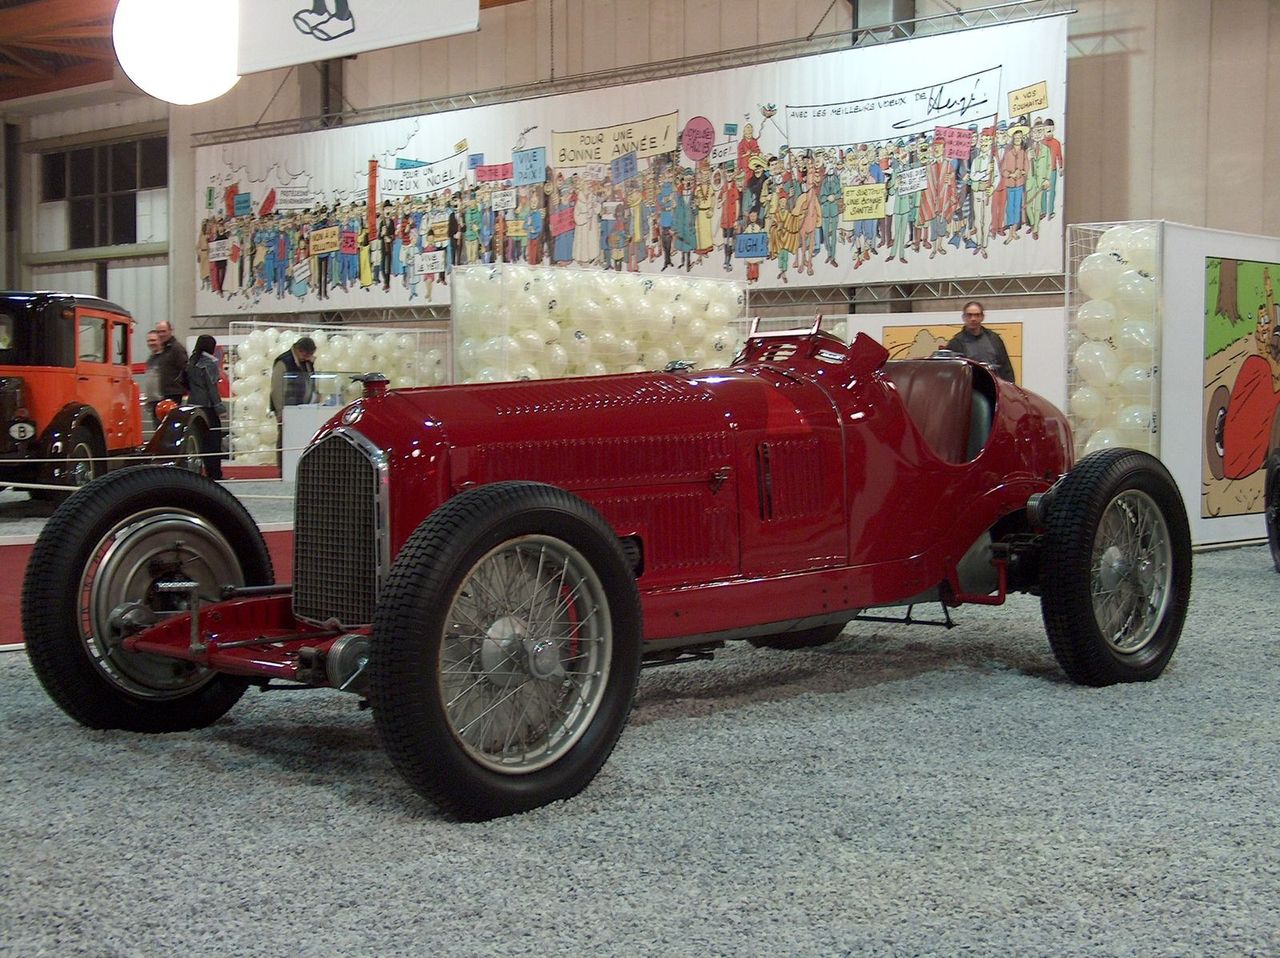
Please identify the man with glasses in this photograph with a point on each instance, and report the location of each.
(981, 344)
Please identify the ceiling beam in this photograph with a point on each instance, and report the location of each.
(66, 79)
(44, 16)
(81, 50)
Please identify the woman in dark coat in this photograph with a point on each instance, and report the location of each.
(202, 390)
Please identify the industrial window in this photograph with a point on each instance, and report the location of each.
(100, 186)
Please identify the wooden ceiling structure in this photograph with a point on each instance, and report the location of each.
(48, 46)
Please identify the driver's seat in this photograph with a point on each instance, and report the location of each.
(952, 413)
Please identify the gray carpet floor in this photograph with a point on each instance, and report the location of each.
(903, 791)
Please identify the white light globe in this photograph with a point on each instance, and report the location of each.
(181, 51)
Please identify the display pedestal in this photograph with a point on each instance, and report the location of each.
(300, 424)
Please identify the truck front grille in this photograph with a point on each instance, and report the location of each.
(339, 530)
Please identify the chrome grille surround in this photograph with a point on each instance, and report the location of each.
(341, 545)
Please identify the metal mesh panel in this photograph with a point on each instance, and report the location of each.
(335, 534)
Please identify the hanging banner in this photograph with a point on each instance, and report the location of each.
(926, 159)
(281, 33)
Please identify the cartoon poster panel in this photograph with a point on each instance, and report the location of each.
(921, 342)
(1241, 383)
(948, 163)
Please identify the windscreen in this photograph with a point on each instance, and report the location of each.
(35, 337)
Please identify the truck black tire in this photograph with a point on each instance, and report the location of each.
(111, 543)
(505, 651)
(1115, 568)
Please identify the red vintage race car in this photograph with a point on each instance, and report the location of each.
(490, 566)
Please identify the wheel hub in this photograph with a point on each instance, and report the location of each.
(1115, 568)
(502, 652)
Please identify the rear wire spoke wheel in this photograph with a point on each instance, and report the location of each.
(1116, 568)
(114, 544)
(506, 650)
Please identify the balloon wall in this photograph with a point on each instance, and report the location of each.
(1113, 335)
(406, 357)
(515, 322)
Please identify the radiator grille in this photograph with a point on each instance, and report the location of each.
(336, 530)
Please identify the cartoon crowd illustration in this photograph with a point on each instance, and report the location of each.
(774, 212)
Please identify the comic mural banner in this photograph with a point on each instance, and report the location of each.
(281, 33)
(896, 163)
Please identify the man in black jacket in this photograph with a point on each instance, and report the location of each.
(172, 361)
(982, 344)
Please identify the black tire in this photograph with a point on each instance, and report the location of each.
(86, 461)
(1117, 547)
(1271, 507)
(191, 449)
(437, 593)
(807, 639)
(112, 542)
(1215, 422)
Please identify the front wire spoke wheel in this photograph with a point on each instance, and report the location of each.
(1132, 571)
(1115, 568)
(524, 665)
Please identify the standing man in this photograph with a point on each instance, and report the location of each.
(981, 344)
(171, 362)
(151, 379)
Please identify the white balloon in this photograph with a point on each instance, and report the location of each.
(1134, 294)
(1098, 274)
(530, 342)
(719, 313)
(466, 356)
(724, 344)
(1134, 424)
(1115, 240)
(554, 362)
(1086, 402)
(696, 331)
(628, 351)
(578, 347)
(339, 349)
(1102, 439)
(252, 406)
(500, 352)
(1134, 383)
(240, 369)
(656, 357)
(604, 346)
(526, 371)
(490, 374)
(548, 329)
(588, 315)
(1135, 339)
(594, 367)
(1143, 249)
(1095, 318)
(267, 434)
(1097, 364)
